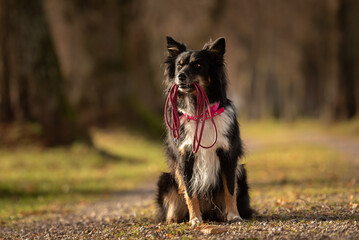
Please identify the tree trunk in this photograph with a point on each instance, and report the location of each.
(6, 113)
(41, 94)
(345, 104)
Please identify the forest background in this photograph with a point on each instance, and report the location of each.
(66, 66)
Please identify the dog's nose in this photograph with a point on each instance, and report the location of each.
(182, 77)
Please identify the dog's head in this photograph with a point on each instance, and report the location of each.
(205, 67)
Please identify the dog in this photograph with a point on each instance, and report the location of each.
(210, 184)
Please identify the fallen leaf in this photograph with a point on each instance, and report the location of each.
(353, 205)
(280, 202)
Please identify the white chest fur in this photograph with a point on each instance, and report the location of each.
(207, 165)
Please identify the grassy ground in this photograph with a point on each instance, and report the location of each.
(299, 189)
(35, 181)
(280, 131)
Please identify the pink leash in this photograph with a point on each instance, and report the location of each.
(202, 104)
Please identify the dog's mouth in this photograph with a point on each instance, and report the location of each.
(185, 87)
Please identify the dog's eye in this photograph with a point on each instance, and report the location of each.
(197, 65)
(179, 66)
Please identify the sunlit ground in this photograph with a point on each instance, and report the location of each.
(36, 181)
(286, 172)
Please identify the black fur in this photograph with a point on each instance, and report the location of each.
(186, 167)
(206, 67)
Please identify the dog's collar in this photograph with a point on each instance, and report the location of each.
(215, 111)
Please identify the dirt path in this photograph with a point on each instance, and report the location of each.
(106, 219)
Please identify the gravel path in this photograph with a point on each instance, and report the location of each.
(110, 219)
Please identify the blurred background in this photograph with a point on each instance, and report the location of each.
(69, 67)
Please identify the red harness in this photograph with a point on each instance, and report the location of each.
(214, 112)
(204, 112)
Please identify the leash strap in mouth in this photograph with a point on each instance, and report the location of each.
(203, 107)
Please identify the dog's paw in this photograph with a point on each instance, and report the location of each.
(195, 221)
(233, 218)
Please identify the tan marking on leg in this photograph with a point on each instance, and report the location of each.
(181, 185)
(193, 208)
(230, 201)
(192, 203)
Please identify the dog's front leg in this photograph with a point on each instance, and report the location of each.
(230, 193)
(184, 176)
(228, 166)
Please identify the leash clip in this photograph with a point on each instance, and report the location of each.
(175, 141)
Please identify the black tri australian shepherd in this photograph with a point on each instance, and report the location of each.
(210, 184)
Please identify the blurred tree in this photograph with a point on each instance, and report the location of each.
(32, 76)
(347, 98)
(6, 112)
(103, 50)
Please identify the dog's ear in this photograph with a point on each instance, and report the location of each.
(218, 47)
(174, 48)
